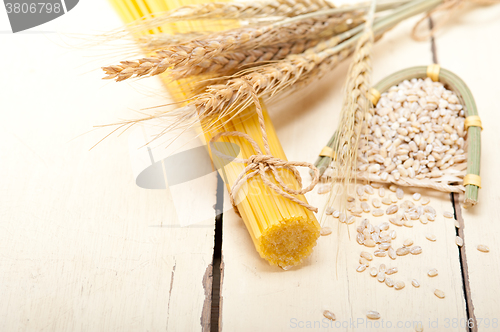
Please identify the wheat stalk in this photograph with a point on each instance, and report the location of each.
(354, 108)
(215, 49)
(226, 63)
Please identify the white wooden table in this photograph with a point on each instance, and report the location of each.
(82, 248)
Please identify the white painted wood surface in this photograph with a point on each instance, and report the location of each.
(469, 47)
(81, 246)
(257, 297)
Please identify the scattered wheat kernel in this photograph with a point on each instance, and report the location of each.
(425, 201)
(402, 251)
(381, 268)
(416, 250)
(366, 255)
(399, 285)
(483, 248)
(380, 253)
(325, 231)
(416, 196)
(365, 207)
(378, 212)
(386, 201)
(448, 214)
(391, 209)
(370, 243)
(351, 219)
(329, 210)
(376, 185)
(394, 198)
(384, 226)
(389, 282)
(430, 216)
(381, 276)
(408, 243)
(329, 315)
(459, 241)
(368, 189)
(423, 219)
(419, 327)
(336, 214)
(408, 223)
(392, 188)
(439, 293)
(364, 261)
(391, 253)
(431, 237)
(400, 193)
(376, 203)
(432, 273)
(360, 238)
(393, 234)
(381, 192)
(373, 272)
(415, 283)
(363, 198)
(457, 223)
(391, 270)
(361, 267)
(350, 198)
(372, 314)
(384, 246)
(360, 191)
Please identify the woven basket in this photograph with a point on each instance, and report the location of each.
(455, 179)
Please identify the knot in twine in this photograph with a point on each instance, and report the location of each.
(451, 6)
(260, 164)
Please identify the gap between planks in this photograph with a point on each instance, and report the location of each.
(455, 201)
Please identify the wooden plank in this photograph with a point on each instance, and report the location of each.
(256, 296)
(466, 46)
(82, 247)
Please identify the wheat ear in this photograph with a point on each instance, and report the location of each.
(354, 108)
(203, 51)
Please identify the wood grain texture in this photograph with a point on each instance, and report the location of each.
(259, 297)
(467, 47)
(82, 248)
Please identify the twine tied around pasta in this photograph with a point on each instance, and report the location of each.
(450, 6)
(260, 163)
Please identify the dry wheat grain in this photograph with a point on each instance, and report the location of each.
(325, 231)
(329, 315)
(483, 248)
(439, 293)
(415, 283)
(372, 314)
(448, 214)
(361, 268)
(459, 241)
(431, 237)
(366, 255)
(399, 285)
(391, 253)
(403, 251)
(432, 273)
(416, 250)
(408, 243)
